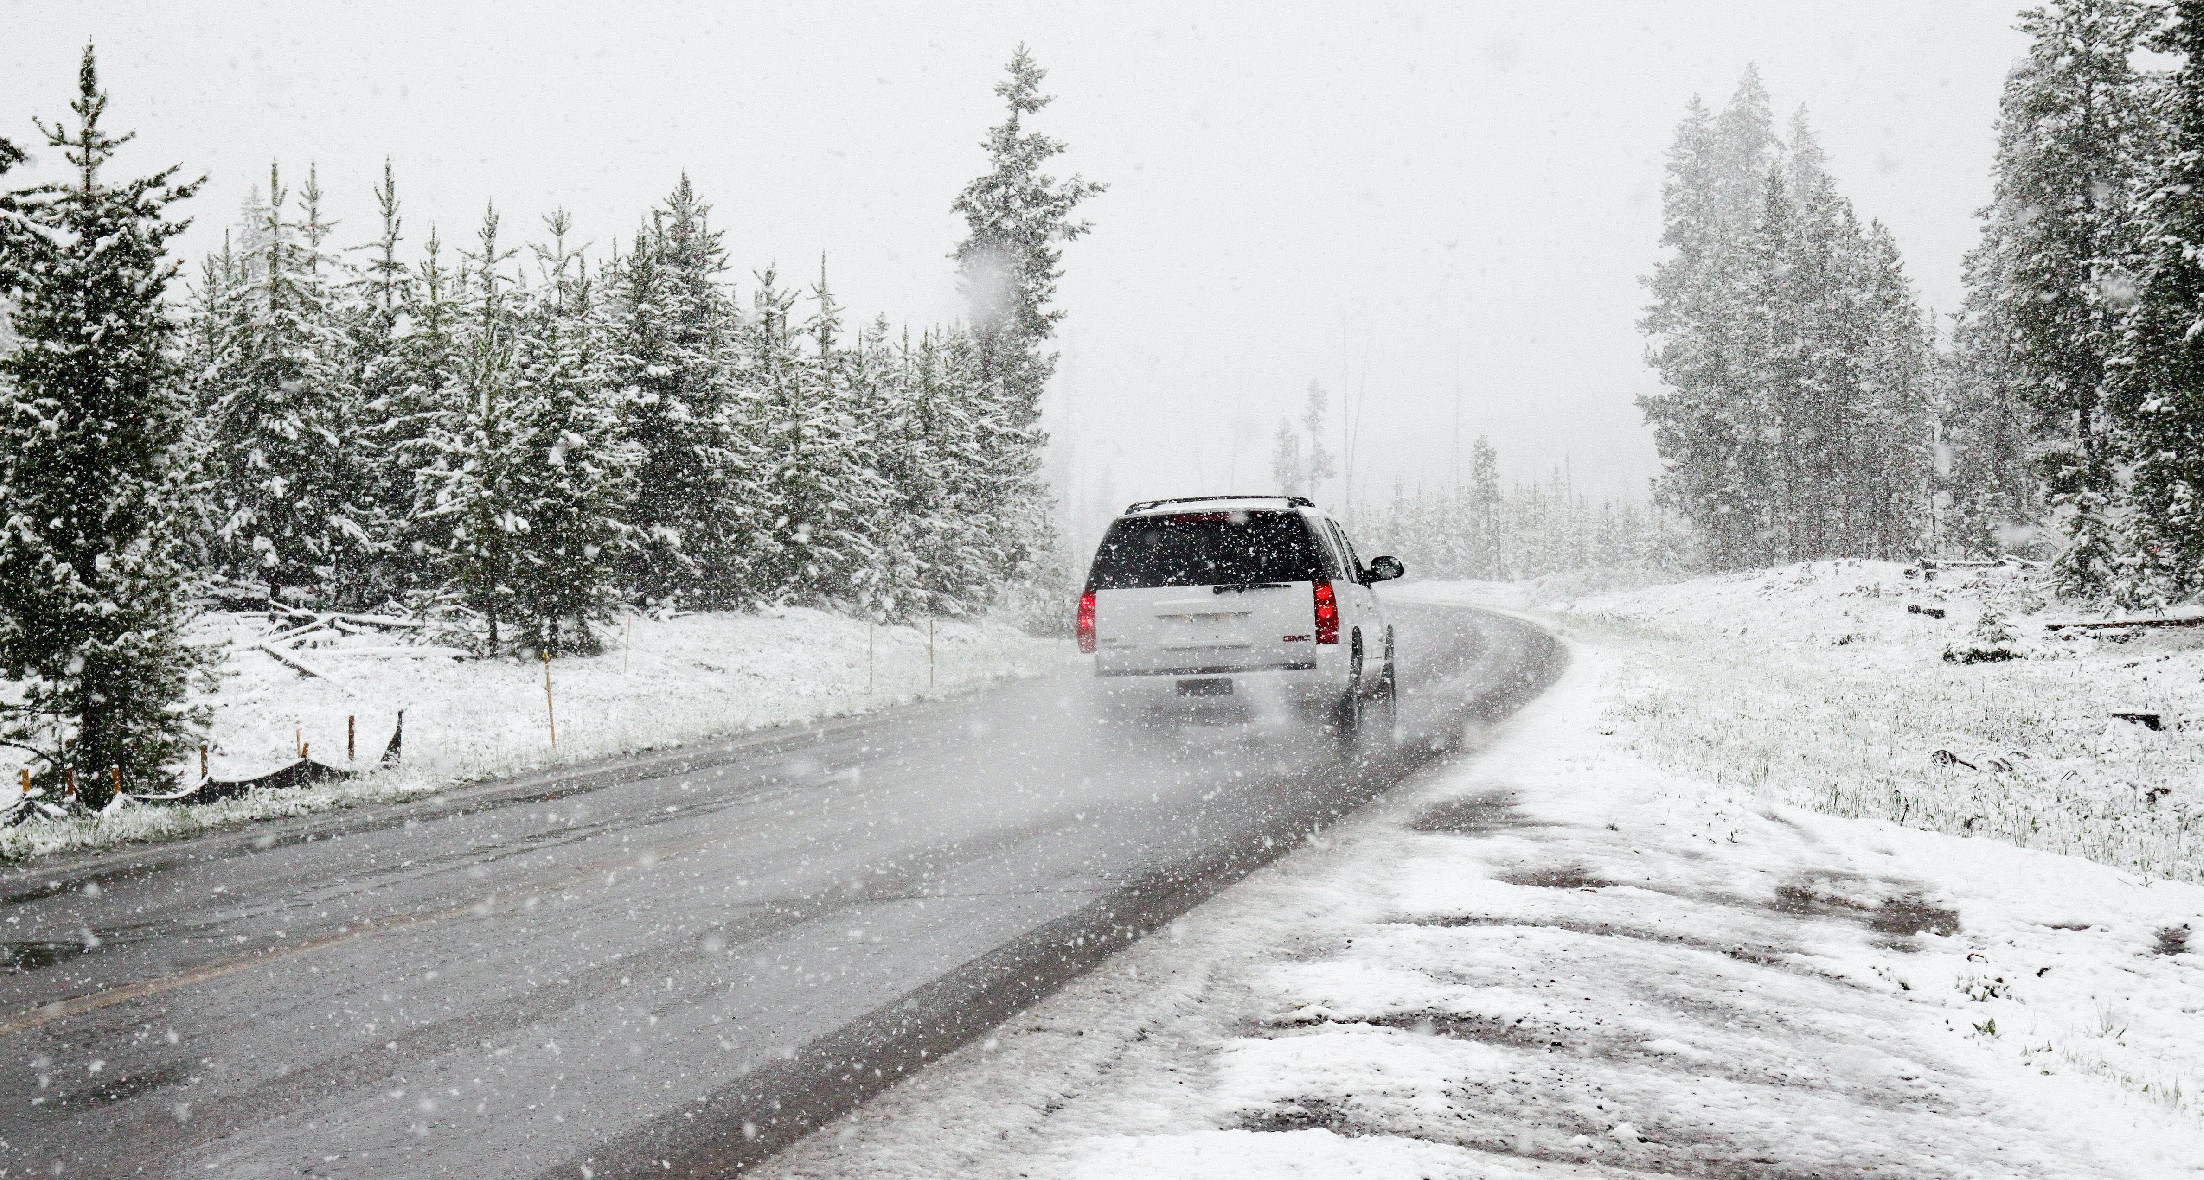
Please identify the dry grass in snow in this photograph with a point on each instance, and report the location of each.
(1816, 684)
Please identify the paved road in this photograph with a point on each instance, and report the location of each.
(663, 966)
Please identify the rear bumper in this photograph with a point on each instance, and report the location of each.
(1211, 670)
(1198, 686)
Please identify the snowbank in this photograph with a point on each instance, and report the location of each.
(1556, 959)
(660, 683)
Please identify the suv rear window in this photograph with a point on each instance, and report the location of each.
(1206, 549)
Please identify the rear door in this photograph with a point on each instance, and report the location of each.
(1212, 592)
(1359, 602)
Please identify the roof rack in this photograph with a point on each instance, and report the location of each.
(1145, 505)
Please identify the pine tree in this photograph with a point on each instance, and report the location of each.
(2051, 282)
(384, 365)
(285, 411)
(92, 598)
(471, 506)
(1793, 422)
(2159, 391)
(1017, 217)
(823, 485)
(674, 349)
(571, 473)
(1707, 421)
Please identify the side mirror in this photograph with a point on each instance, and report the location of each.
(1385, 569)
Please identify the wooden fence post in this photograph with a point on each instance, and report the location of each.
(350, 730)
(202, 760)
(549, 712)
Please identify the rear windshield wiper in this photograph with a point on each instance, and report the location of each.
(1242, 586)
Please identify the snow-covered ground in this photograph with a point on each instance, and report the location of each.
(659, 683)
(1826, 685)
(1579, 954)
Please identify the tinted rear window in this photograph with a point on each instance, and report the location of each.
(1206, 549)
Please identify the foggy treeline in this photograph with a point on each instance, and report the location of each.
(499, 426)
(1478, 529)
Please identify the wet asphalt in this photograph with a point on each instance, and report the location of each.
(668, 965)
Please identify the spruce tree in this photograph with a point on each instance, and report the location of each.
(674, 351)
(1017, 217)
(2159, 393)
(2052, 281)
(470, 511)
(382, 367)
(285, 412)
(92, 597)
(1706, 420)
(572, 471)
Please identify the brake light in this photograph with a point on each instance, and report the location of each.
(1327, 614)
(1086, 622)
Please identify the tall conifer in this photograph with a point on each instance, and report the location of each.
(91, 422)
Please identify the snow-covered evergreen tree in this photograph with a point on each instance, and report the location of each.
(1299, 461)
(92, 414)
(471, 507)
(1794, 420)
(1017, 217)
(284, 410)
(2159, 388)
(1707, 420)
(673, 349)
(572, 473)
(2052, 281)
(383, 366)
(822, 485)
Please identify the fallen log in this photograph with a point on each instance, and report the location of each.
(291, 662)
(2182, 621)
(417, 650)
(303, 773)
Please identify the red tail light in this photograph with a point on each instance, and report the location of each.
(1327, 614)
(1086, 622)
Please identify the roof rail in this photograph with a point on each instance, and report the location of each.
(1145, 505)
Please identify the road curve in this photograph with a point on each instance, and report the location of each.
(667, 965)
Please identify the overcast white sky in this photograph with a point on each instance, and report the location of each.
(1370, 196)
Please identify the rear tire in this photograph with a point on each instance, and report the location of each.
(1349, 713)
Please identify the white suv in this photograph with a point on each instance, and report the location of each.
(1256, 597)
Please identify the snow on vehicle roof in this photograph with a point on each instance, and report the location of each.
(1226, 503)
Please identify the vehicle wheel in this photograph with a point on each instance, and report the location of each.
(1348, 714)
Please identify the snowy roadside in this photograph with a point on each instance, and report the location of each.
(1827, 684)
(660, 683)
(1555, 959)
